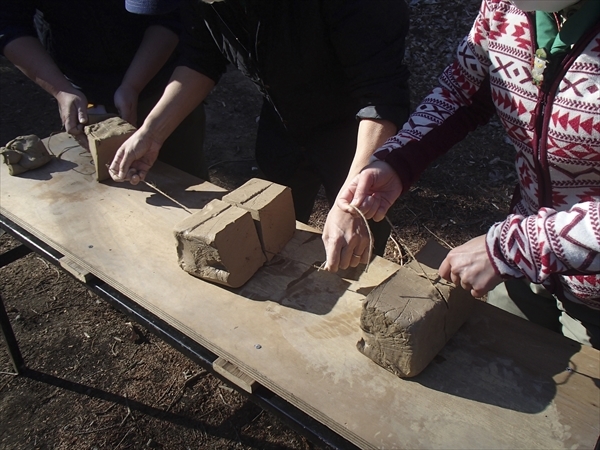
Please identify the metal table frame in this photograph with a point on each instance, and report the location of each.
(266, 399)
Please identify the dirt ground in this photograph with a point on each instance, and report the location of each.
(98, 382)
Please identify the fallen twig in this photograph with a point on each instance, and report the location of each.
(186, 384)
(167, 391)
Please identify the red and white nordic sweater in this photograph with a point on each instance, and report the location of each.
(552, 235)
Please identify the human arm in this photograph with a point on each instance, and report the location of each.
(19, 43)
(534, 247)
(344, 235)
(185, 91)
(369, 42)
(548, 243)
(373, 191)
(460, 103)
(154, 51)
(30, 57)
(469, 266)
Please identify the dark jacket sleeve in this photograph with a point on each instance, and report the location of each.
(171, 21)
(369, 39)
(16, 20)
(198, 48)
(411, 160)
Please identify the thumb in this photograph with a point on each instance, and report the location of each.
(364, 187)
(82, 114)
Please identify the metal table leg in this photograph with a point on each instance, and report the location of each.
(7, 331)
(11, 341)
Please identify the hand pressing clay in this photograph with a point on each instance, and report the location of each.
(104, 139)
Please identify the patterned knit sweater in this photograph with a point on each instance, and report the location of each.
(552, 236)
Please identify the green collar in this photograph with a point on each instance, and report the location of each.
(577, 20)
(555, 40)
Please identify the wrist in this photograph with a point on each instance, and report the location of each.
(130, 87)
(67, 90)
(151, 132)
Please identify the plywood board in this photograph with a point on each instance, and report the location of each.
(500, 382)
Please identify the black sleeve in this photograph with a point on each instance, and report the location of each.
(369, 39)
(199, 50)
(16, 20)
(171, 21)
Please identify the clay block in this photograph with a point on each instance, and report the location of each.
(272, 209)
(104, 139)
(408, 319)
(220, 244)
(25, 153)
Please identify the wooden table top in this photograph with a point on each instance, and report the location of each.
(501, 382)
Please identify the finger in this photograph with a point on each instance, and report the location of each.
(133, 176)
(71, 125)
(82, 140)
(346, 257)
(363, 188)
(142, 174)
(129, 116)
(444, 270)
(466, 286)
(455, 279)
(365, 257)
(125, 159)
(332, 250)
(82, 116)
(477, 294)
(381, 212)
(369, 207)
(360, 254)
(346, 196)
(115, 168)
(355, 260)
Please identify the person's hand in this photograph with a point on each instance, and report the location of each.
(134, 158)
(373, 191)
(72, 107)
(126, 102)
(469, 266)
(346, 240)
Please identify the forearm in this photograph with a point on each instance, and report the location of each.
(30, 57)
(185, 91)
(372, 134)
(154, 51)
(548, 242)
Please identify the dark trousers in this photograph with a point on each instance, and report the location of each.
(534, 303)
(321, 159)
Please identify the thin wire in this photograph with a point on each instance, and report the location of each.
(370, 235)
(394, 229)
(152, 186)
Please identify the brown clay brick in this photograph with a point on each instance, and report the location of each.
(408, 319)
(219, 243)
(272, 209)
(104, 139)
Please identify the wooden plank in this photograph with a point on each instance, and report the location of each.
(234, 374)
(75, 269)
(501, 382)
